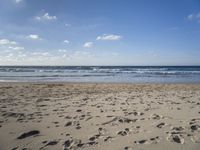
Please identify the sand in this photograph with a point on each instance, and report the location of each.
(99, 116)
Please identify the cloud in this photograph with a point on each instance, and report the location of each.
(194, 17)
(46, 17)
(67, 25)
(17, 48)
(56, 57)
(18, 1)
(62, 50)
(190, 17)
(81, 54)
(33, 37)
(41, 53)
(7, 42)
(7, 46)
(109, 37)
(45, 57)
(66, 41)
(88, 44)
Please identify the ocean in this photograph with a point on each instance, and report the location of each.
(105, 74)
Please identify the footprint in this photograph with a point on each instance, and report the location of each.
(195, 139)
(95, 137)
(108, 138)
(178, 128)
(160, 125)
(152, 140)
(28, 134)
(79, 110)
(78, 127)
(156, 117)
(67, 144)
(128, 148)
(69, 123)
(141, 142)
(194, 127)
(50, 143)
(92, 143)
(73, 143)
(175, 138)
(122, 133)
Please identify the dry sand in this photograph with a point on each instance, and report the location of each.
(99, 116)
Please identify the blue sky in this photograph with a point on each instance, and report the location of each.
(99, 32)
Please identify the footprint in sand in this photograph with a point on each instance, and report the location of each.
(123, 132)
(78, 110)
(108, 138)
(194, 127)
(195, 139)
(73, 144)
(69, 123)
(128, 148)
(156, 117)
(67, 144)
(152, 140)
(28, 134)
(74, 123)
(160, 125)
(141, 142)
(177, 138)
(49, 143)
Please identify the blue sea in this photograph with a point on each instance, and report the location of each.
(105, 74)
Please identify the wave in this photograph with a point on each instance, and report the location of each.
(84, 70)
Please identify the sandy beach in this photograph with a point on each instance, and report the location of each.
(86, 116)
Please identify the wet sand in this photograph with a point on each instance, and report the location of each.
(99, 116)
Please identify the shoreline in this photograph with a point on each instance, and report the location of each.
(114, 83)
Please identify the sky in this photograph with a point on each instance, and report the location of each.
(99, 32)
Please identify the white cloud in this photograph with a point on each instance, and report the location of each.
(33, 37)
(9, 55)
(18, 1)
(16, 48)
(46, 17)
(88, 44)
(67, 25)
(190, 17)
(110, 37)
(194, 17)
(66, 41)
(6, 42)
(79, 56)
(56, 57)
(41, 53)
(62, 50)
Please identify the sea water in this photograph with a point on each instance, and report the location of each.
(107, 74)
